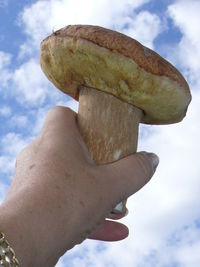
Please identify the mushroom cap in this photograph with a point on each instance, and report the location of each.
(92, 56)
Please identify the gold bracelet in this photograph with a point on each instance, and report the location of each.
(7, 254)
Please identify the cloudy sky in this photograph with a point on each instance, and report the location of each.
(164, 217)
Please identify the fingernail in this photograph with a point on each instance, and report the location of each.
(126, 213)
(155, 160)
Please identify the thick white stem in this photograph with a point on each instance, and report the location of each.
(109, 127)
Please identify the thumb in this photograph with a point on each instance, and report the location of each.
(130, 174)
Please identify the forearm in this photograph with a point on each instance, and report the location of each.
(18, 225)
(14, 226)
(34, 227)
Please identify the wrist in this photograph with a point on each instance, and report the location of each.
(26, 221)
(7, 254)
(17, 234)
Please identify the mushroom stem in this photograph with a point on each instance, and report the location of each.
(109, 128)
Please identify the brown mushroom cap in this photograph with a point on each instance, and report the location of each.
(116, 64)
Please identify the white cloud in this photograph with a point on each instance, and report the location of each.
(7, 164)
(39, 118)
(31, 86)
(10, 145)
(4, 59)
(27, 84)
(189, 255)
(145, 27)
(185, 15)
(18, 121)
(40, 114)
(5, 74)
(5, 111)
(13, 143)
(43, 17)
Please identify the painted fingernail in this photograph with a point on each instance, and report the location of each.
(155, 160)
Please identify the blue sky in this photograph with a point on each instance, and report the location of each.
(164, 216)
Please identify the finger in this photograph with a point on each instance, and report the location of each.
(110, 231)
(60, 129)
(60, 120)
(128, 175)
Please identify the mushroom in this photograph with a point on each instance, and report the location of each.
(118, 82)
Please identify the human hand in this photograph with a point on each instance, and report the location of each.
(60, 196)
